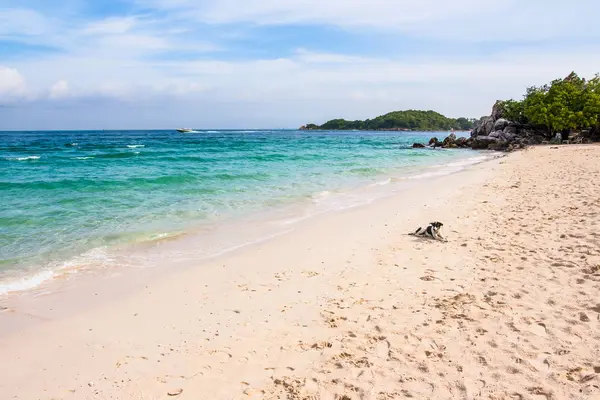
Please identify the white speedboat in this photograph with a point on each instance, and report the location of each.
(185, 130)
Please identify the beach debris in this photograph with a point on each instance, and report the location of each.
(175, 392)
(321, 345)
(587, 378)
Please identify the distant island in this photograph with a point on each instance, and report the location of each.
(409, 120)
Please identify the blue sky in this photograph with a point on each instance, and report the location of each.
(110, 64)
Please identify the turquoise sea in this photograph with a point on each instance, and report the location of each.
(70, 197)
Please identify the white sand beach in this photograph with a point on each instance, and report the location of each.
(348, 306)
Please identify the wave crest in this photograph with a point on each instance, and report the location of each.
(28, 158)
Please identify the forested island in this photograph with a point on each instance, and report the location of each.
(564, 111)
(409, 120)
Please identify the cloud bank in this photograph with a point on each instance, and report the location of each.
(156, 64)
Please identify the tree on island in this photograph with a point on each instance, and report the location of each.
(414, 120)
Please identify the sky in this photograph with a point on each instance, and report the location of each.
(153, 64)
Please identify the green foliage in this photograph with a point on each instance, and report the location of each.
(403, 120)
(465, 124)
(565, 104)
(311, 126)
(514, 111)
(591, 102)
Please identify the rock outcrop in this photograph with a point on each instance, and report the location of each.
(501, 124)
(498, 133)
(434, 142)
(481, 142)
(450, 142)
(463, 142)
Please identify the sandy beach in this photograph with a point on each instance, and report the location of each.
(348, 306)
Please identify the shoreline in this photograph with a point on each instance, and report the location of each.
(265, 223)
(349, 305)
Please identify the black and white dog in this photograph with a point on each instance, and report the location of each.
(432, 231)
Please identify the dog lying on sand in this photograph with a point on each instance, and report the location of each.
(432, 231)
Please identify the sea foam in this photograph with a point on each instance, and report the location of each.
(28, 158)
(26, 282)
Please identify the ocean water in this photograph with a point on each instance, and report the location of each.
(73, 198)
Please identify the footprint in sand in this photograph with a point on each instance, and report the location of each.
(221, 356)
(539, 329)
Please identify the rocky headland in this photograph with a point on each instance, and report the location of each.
(562, 112)
(496, 132)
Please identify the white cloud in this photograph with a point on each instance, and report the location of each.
(469, 20)
(317, 57)
(108, 26)
(12, 83)
(17, 21)
(60, 90)
(122, 58)
(385, 13)
(327, 85)
(132, 43)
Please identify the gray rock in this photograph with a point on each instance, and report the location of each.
(506, 136)
(418, 145)
(449, 141)
(495, 134)
(434, 142)
(498, 110)
(483, 142)
(501, 145)
(487, 127)
(500, 124)
(510, 129)
(462, 142)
